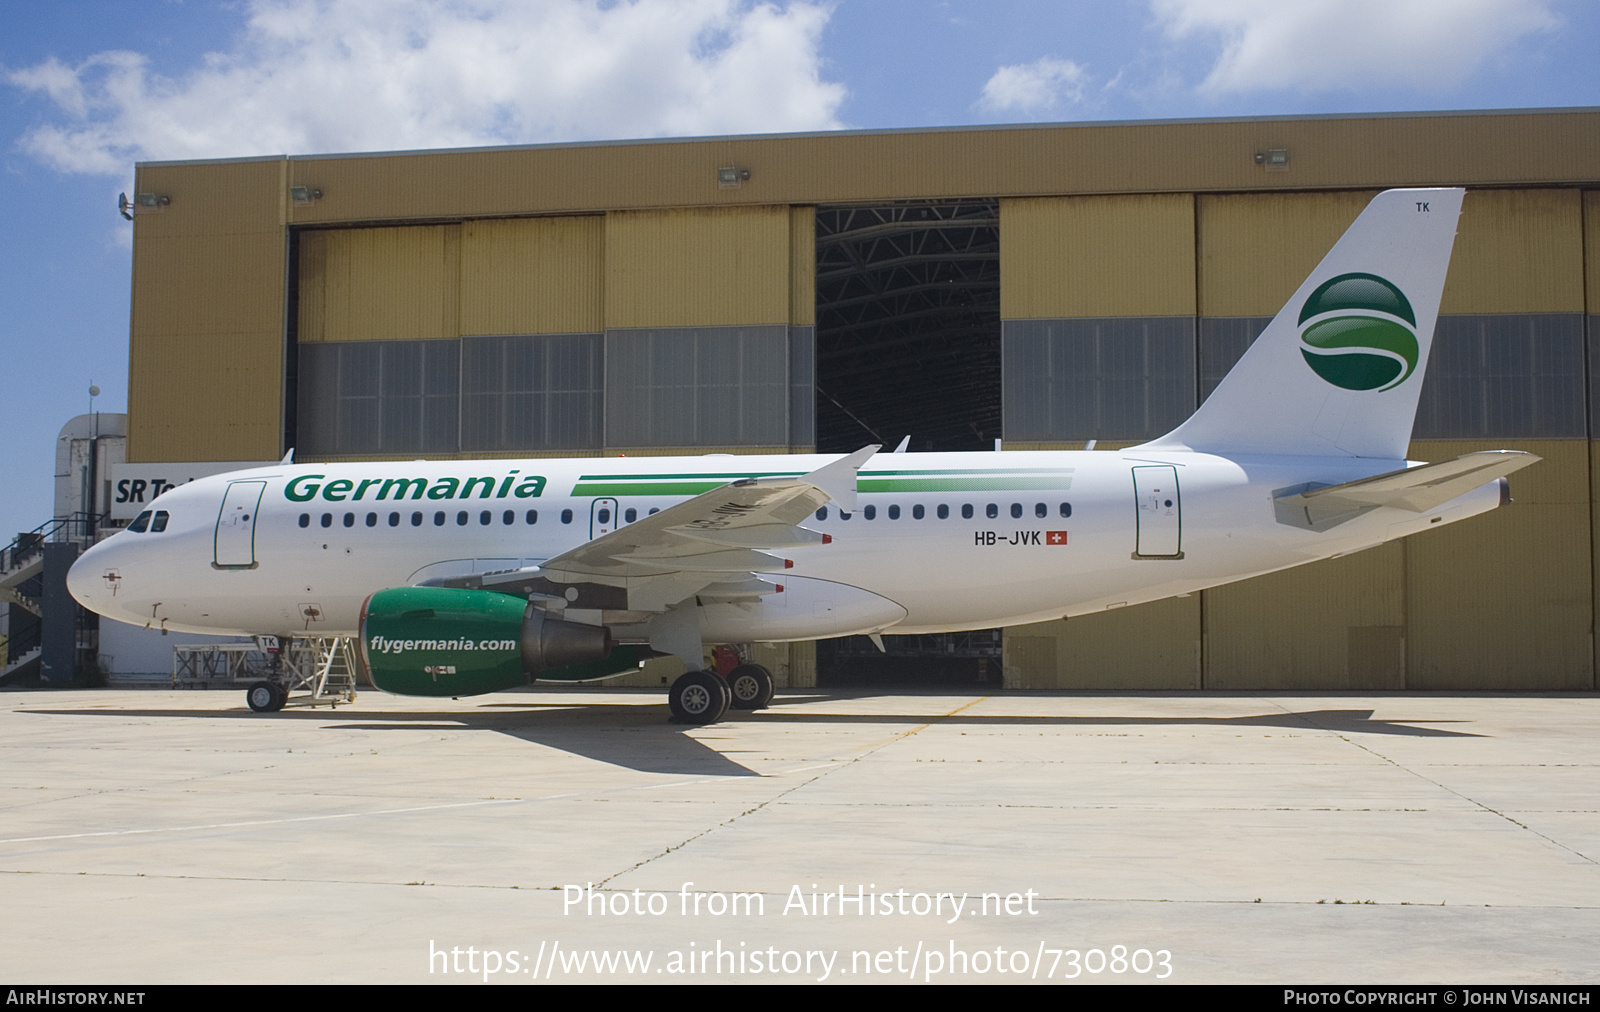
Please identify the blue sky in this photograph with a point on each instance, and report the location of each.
(87, 89)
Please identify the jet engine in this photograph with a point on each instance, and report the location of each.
(444, 641)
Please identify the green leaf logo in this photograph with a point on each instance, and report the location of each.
(1359, 333)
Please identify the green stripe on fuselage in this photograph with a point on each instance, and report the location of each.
(1000, 483)
(973, 479)
(647, 488)
(689, 476)
(976, 470)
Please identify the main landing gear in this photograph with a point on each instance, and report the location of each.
(751, 686)
(703, 697)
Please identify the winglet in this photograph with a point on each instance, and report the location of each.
(288, 458)
(838, 479)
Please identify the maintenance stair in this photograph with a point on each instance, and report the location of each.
(21, 579)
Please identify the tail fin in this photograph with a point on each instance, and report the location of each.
(1337, 372)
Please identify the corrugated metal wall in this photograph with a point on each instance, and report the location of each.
(205, 378)
(1197, 156)
(380, 284)
(699, 267)
(1113, 256)
(533, 276)
(1591, 282)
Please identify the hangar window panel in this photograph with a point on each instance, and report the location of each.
(1223, 341)
(1131, 378)
(378, 397)
(1594, 371)
(699, 386)
(531, 392)
(1504, 375)
(802, 386)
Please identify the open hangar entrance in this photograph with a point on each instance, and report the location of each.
(908, 345)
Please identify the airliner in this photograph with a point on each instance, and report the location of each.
(462, 577)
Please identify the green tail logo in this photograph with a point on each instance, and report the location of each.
(1364, 333)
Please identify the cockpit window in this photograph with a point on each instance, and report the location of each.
(140, 523)
(160, 523)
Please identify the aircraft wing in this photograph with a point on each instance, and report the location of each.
(1417, 489)
(714, 544)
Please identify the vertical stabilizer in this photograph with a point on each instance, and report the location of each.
(1338, 371)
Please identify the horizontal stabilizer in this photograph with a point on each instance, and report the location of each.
(1417, 489)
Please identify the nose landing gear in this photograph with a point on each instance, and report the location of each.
(266, 697)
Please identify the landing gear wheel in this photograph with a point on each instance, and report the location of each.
(751, 686)
(266, 697)
(698, 697)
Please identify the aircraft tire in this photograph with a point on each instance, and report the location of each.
(751, 687)
(264, 697)
(698, 697)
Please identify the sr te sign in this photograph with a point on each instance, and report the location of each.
(135, 486)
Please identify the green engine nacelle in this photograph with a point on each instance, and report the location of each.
(443, 641)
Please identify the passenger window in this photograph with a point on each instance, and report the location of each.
(1016, 511)
(822, 514)
(416, 519)
(992, 511)
(605, 516)
(566, 516)
(394, 520)
(944, 511)
(1041, 510)
(438, 519)
(486, 518)
(654, 510)
(870, 512)
(631, 515)
(159, 524)
(533, 516)
(305, 520)
(141, 523)
(916, 512)
(509, 517)
(1066, 509)
(894, 512)
(372, 519)
(461, 518)
(966, 511)
(843, 515)
(349, 519)
(327, 519)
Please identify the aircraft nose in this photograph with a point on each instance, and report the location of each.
(92, 580)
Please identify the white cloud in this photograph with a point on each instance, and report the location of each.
(363, 75)
(1035, 87)
(1350, 45)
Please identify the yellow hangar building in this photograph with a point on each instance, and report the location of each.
(1044, 286)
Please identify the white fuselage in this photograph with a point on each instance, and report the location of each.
(297, 548)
